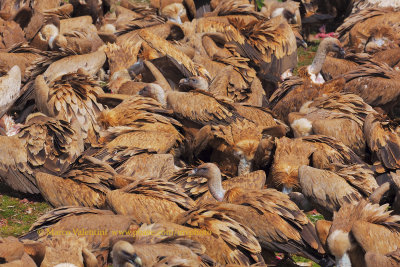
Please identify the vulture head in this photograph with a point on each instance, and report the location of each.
(174, 12)
(289, 11)
(300, 40)
(194, 83)
(123, 255)
(154, 91)
(290, 16)
(327, 45)
(213, 175)
(49, 33)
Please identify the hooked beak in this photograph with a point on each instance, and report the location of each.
(176, 20)
(304, 44)
(192, 172)
(183, 81)
(301, 42)
(286, 190)
(293, 20)
(135, 260)
(136, 68)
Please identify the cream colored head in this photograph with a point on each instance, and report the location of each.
(174, 12)
(301, 127)
(195, 83)
(49, 33)
(327, 45)
(123, 255)
(108, 28)
(213, 175)
(339, 245)
(154, 91)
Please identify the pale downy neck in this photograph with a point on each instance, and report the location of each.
(319, 59)
(215, 185)
(52, 32)
(244, 166)
(161, 97)
(344, 261)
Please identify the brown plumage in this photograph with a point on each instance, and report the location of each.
(295, 91)
(197, 186)
(371, 227)
(120, 57)
(358, 5)
(62, 12)
(245, 37)
(68, 218)
(150, 249)
(238, 83)
(340, 116)
(368, 82)
(225, 239)
(12, 253)
(68, 249)
(90, 63)
(102, 224)
(81, 40)
(132, 137)
(85, 183)
(264, 206)
(383, 140)
(138, 18)
(23, 59)
(322, 151)
(322, 228)
(10, 85)
(388, 56)
(331, 153)
(370, 29)
(391, 259)
(88, 7)
(202, 108)
(165, 200)
(229, 83)
(75, 34)
(12, 34)
(164, 48)
(73, 98)
(328, 190)
(289, 10)
(243, 143)
(141, 112)
(290, 154)
(140, 163)
(197, 106)
(140, 122)
(334, 67)
(274, 55)
(44, 144)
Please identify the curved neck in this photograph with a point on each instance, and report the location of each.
(161, 97)
(244, 166)
(215, 185)
(319, 59)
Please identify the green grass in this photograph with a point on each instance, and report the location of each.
(17, 215)
(315, 217)
(301, 259)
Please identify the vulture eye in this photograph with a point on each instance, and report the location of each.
(126, 254)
